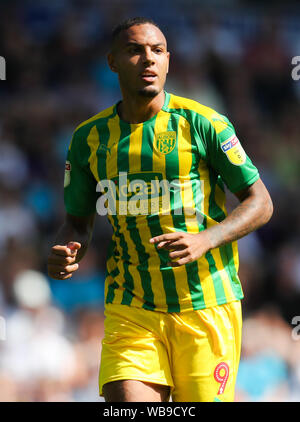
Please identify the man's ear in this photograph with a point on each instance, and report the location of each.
(111, 62)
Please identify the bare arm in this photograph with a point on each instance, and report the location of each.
(255, 210)
(71, 243)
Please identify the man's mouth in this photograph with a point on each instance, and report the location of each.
(148, 76)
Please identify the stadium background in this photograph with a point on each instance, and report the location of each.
(233, 56)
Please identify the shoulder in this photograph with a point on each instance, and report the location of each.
(101, 116)
(205, 116)
(82, 131)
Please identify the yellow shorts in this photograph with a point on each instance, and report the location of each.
(196, 353)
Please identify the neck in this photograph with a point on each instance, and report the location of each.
(140, 109)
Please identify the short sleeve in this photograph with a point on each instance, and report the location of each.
(80, 194)
(226, 154)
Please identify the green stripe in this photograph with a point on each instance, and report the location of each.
(123, 147)
(103, 138)
(112, 287)
(147, 146)
(113, 273)
(128, 283)
(80, 196)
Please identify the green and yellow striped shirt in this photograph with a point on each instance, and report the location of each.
(163, 175)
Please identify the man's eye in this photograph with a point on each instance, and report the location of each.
(158, 50)
(133, 50)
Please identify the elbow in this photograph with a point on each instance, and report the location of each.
(270, 212)
(267, 210)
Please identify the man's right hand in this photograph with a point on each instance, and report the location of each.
(62, 261)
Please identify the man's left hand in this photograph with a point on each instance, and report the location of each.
(185, 247)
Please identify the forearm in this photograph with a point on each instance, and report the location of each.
(72, 231)
(248, 216)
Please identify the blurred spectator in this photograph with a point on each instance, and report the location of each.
(39, 360)
(267, 362)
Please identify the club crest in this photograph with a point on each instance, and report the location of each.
(165, 142)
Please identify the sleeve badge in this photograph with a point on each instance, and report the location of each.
(67, 179)
(234, 151)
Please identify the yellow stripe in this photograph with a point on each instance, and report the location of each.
(93, 142)
(235, 255)
(135, 148)
(213, 116)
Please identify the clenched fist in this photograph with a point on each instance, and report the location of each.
(62, 261)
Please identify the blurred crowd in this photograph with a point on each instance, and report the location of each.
(235, 58)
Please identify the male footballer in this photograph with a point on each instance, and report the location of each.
(158, 163)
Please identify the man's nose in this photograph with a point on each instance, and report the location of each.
(148, 56)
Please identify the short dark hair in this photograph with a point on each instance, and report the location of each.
(128, 23)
